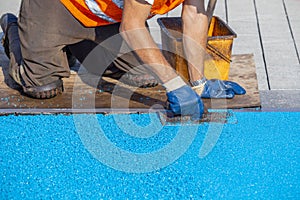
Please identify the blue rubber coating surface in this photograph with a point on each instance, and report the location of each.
(43, 157)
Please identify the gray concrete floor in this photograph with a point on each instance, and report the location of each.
(10, 6)
(270, 29)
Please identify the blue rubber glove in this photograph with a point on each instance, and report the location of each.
(185, 101)
(218, 89)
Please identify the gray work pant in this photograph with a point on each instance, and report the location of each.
(46, 29)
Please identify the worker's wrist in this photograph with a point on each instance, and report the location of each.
(198, 82)
(174, 84)
(198, 85)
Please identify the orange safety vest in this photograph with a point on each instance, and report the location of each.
(92, 13)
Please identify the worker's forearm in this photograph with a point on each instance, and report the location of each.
(140, 40)
(195, 25)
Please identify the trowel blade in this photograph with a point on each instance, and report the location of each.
(224, 117)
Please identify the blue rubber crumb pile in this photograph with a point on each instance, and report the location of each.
(52, 156)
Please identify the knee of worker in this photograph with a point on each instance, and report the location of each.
(44, 67)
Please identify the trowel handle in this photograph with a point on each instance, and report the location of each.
(210, 10)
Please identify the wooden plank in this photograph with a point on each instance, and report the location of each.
(242, 19)
(112, 96)
(292, 8)
(280, 54)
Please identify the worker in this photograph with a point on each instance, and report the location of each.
(37, 43)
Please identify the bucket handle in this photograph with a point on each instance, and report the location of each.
(210, 9)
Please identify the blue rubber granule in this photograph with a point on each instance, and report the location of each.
(44, 157)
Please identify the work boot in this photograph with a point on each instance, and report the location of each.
(8, 20)
(11, 44)
(135, 80)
